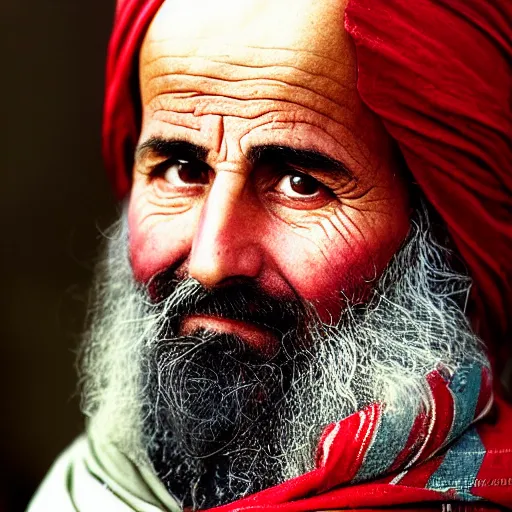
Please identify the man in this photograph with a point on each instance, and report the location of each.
(283, 319)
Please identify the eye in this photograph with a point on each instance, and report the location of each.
(300, 186)
(184, 172)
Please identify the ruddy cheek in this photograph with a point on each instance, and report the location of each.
(155, 248)
(145, 260)
(329, 278)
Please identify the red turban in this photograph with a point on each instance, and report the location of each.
(438, 73)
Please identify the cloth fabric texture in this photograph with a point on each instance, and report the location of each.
(438, 73)
(374, 458)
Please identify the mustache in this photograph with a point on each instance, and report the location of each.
(243, 300)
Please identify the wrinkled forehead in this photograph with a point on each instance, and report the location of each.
(302, 33)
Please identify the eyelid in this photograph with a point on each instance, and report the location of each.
(295, 195)
(292, 170)
(159, 168)
(319, 199)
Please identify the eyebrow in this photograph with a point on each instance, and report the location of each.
(300, 158)
(167, 148)
(273, 154)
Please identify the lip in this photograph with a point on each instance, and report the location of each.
(257, 337)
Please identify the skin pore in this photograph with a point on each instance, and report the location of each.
(257, 160)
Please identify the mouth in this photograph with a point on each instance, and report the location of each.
(256, 336)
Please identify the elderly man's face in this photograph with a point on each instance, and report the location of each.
(256, 305)
(257, 159)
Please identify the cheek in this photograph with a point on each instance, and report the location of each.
(157, 241)
(326, 277)
(326, 272)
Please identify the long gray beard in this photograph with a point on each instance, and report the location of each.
(378, 351)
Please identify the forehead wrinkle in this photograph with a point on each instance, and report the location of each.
(246, 89)
(216, 68)
(202, 105)
(327, 86)
(203, 69)
(261, 111)
(180, 119)
(236, 53)
(340, 71)
(270, 90)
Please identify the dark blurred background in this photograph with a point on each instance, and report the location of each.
(54, 198)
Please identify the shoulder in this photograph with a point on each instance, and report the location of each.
(70, 487)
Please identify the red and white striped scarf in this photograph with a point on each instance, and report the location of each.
(381, 458)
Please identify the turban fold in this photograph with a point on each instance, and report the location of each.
(439, 75)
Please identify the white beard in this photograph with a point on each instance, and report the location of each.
(380, 351)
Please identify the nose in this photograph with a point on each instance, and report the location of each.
(226, 243)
